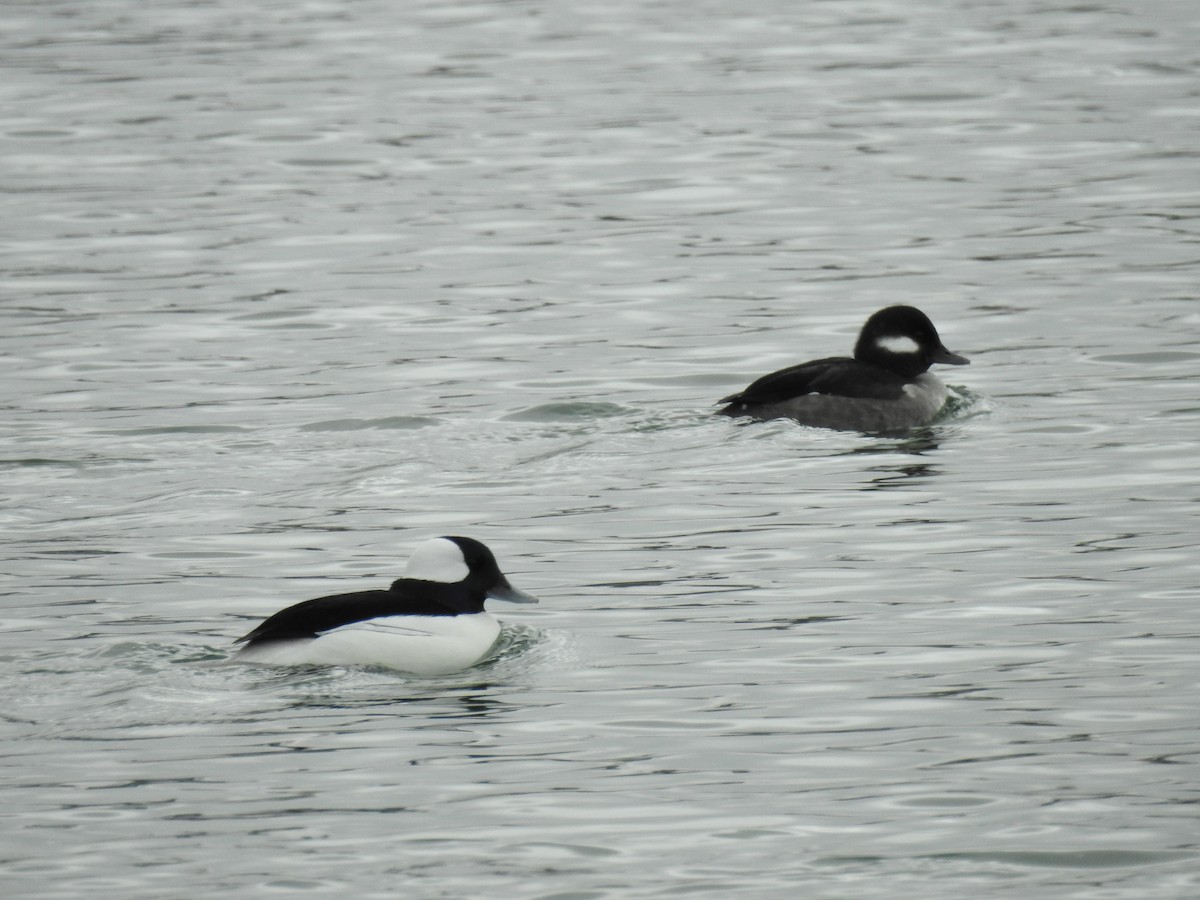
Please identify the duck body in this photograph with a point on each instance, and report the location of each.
(430, 622)
(886, 386)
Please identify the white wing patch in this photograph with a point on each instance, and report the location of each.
(896, 343)
(393, 626)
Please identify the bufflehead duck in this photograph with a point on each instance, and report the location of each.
(885, 387)
(429, 622)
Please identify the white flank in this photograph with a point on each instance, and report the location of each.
(426, 645)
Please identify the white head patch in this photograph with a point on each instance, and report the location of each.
(437, 560)
(897, 343)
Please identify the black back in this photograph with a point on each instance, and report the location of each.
(406, 597)
(838, 375)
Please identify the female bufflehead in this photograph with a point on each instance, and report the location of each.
(430, 622)
(886, 387)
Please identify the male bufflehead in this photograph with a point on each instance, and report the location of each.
(429, 622)
(885, 387)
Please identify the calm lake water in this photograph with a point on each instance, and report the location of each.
(291, 287)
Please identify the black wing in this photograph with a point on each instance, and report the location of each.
(314, 617)
(839, 376)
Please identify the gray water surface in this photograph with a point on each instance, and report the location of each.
(292, 287)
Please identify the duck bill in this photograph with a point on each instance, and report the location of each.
(947, 358)
(505, 591)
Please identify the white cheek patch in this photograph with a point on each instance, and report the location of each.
(437, 560)
(898, 344)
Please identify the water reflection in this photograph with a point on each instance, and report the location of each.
(916, 442)
(902, 475)
(500, 303)
(425, 703)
